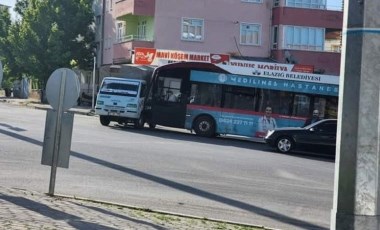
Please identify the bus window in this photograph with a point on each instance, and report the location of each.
(279, 101)
(301, 105)
(320, 104)
(169, 89)
(331, 107)
(205, 94)
(239, 98)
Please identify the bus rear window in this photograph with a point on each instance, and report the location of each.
(120, 88)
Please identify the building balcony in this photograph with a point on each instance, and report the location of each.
(122, 49)
(310, 17)
(134, 7)
(323, 62)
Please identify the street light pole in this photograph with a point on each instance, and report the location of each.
(93, 85)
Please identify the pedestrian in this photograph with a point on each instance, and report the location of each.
(312, 119)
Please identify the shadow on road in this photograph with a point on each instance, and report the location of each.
(75, 221)
(182, 187)
(239, 142)
(122, 216)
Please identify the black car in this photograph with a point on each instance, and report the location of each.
(317, 136)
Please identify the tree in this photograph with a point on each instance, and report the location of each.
(51, 34)
(5, 51)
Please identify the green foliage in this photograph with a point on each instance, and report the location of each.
(7, 83)
(50, 35)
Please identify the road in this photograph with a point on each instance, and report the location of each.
(172, 171)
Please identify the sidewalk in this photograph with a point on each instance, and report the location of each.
(34, 103)
(23, 209)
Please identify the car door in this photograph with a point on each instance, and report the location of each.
(322, 134)
(325, 134)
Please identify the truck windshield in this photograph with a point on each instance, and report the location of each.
(120, 88)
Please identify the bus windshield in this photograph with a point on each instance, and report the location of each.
(121, 88)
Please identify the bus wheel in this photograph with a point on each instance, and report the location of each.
(139, 123)
(104, 120)
(204, 126)
(152, 125)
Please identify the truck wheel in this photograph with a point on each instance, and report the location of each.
(139, 123)
(204, 126)
(105, 120)
(152, 125)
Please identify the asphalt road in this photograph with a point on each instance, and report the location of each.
(171, 170)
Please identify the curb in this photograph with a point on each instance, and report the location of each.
(158, 211)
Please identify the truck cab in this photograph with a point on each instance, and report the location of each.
(121, 100)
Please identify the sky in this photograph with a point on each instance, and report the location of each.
(10, 3)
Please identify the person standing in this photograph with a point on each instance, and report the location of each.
(265, 123)
(313, 119)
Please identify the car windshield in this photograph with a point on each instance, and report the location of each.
(120, 88)
(312, 124)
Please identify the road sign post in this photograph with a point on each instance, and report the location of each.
(62, 92)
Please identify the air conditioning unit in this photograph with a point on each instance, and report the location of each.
(274, 46)
(276, 3)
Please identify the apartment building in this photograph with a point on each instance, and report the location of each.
(285, 31)
(307, 32)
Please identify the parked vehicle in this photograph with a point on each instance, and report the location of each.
(317, 136)
(121, 100)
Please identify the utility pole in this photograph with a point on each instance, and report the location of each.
(357, 167)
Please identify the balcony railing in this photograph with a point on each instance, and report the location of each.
(129, 38)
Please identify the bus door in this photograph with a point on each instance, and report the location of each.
(169, 103)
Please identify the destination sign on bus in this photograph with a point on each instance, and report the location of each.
(266, 83)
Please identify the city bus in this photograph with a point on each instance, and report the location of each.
(216, 99)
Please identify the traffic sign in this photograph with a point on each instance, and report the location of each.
(64, 83)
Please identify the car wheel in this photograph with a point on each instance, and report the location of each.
(284, 144)
(105, 120)
(204, 126)
(139, 123)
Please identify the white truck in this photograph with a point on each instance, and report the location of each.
(121, 100)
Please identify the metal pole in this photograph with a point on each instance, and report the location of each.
(57, 135)
(93, 85)
(357, 168)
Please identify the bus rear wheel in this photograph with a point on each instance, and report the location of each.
(152, 125)
(105, 120)
(204, 126)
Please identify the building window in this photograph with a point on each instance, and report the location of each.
(98, 20)
(253, 1)
(275, 37)
(192, 29)
(250, 34)
(141, 30)
(120, 31)
(108, 5)
(304, 38)
(312, 4)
